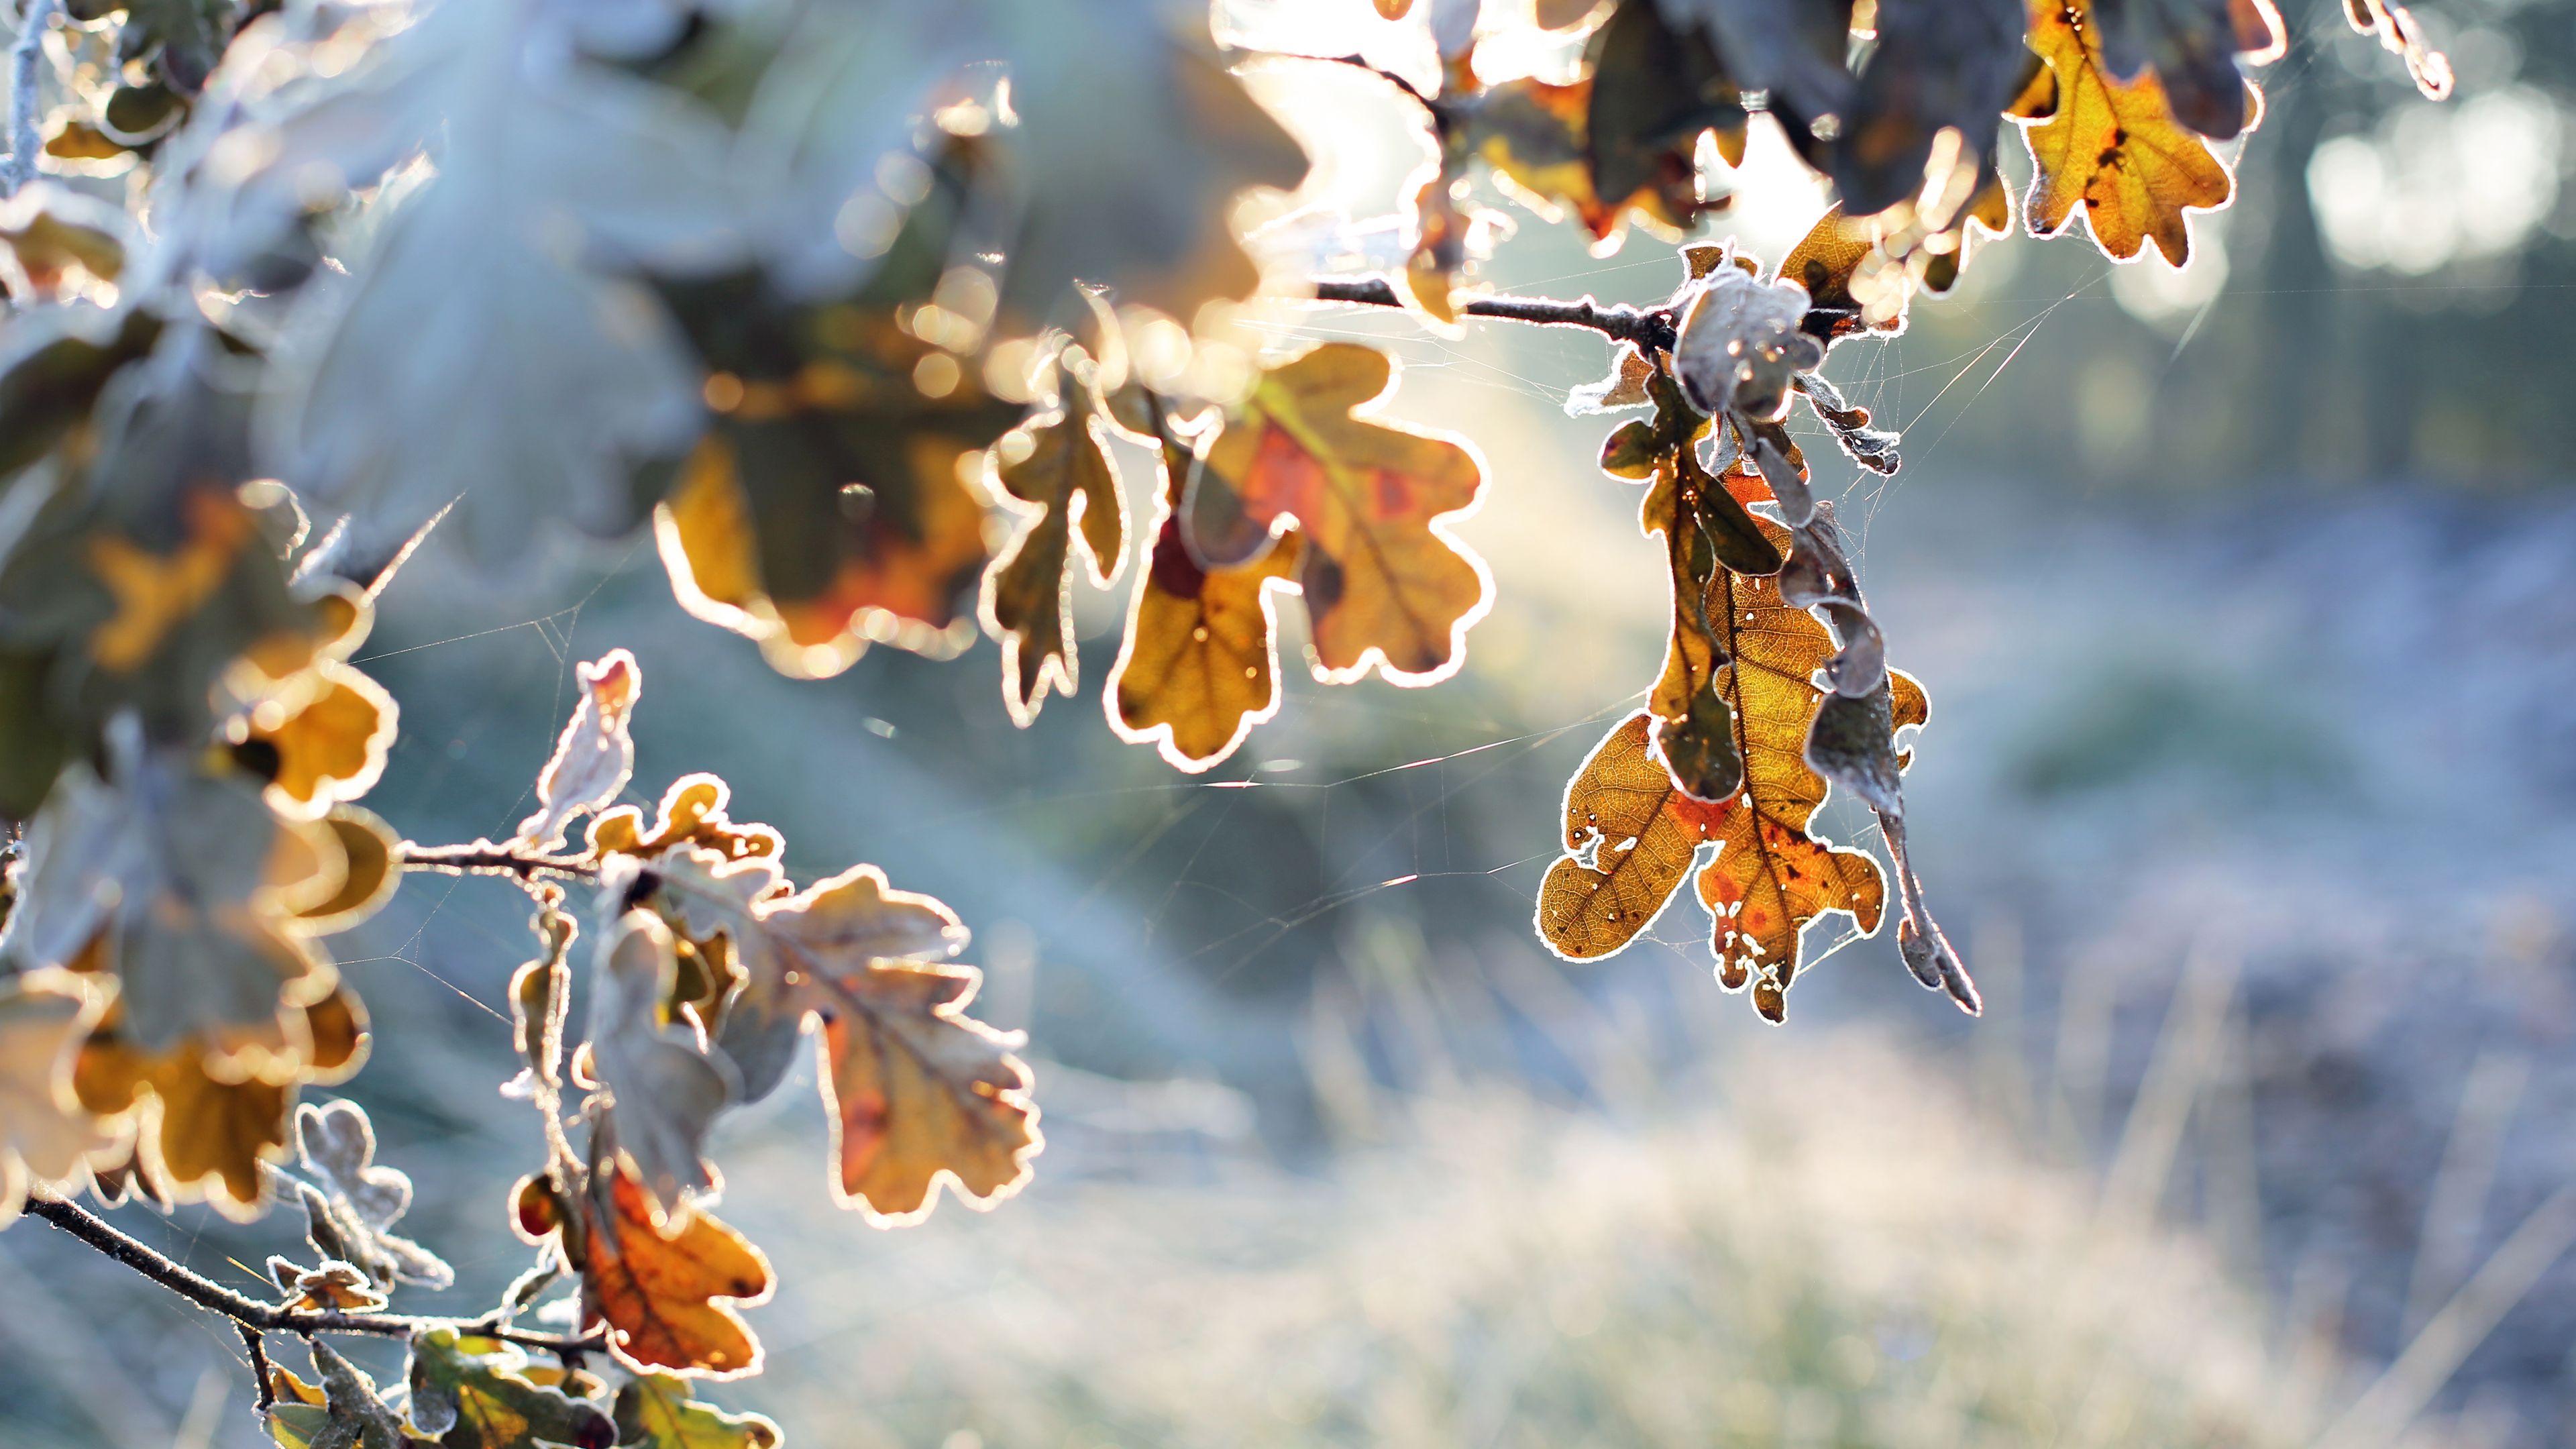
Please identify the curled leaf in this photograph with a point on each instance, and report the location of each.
(1067, 495)
(595, 754)
(664, 1085)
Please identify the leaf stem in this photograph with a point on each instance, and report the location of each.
(1647, 330)
(484, 857)
(256, 1317)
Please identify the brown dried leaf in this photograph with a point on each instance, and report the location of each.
(1066, 493)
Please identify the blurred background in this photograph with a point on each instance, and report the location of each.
(2243, 596)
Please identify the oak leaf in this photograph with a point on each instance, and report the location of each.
(1387, 585)
(1066, 493)
(46, 1140)
(692, 811)
(330, 746)
(665, 1087)
(343, 1411)
(656, 1411)
(2112, 145)
(1536, 137)
(470, 1392)
(919, 1093)
(191, 882)
(358, 1199)
(830, 507)
(1198, 666)
(207, 1135)
(668, 1303)
(1632, 833)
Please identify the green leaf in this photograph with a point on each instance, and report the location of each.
(656, 1412)
(480, 1393)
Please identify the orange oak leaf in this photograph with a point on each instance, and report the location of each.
(2112, 145)
(669, 1303)
(1066, 492)
(1388, 587)
(1199, 666)
(1631, 833)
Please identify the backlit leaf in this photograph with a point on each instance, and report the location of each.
(831, 506)
(919, 1092)
(1387, 586)
(668, 1303)
(331, 746)
(1067, 496)
(2192, 45)
(655, 1411)
(2112, 145)
(470, 1392)
(666, 1088)
(595, 754)
(45, 1139)
(205, 1135)
(1199, 666)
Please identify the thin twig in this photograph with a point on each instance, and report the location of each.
(25, 139)
(1651, 331)
(484, 857)
(250, 1313)
(1438, 112)
(258, 1347)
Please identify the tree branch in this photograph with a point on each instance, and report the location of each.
(1650, 331)
(25, 136)
(483, 857)
(257, 1317)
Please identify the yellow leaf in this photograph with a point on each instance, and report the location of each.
(919, 1092)
(830, 507)
(2112, 145)
(1199, 666)
(332, 747)
(655, 1411)
(204, 1128)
